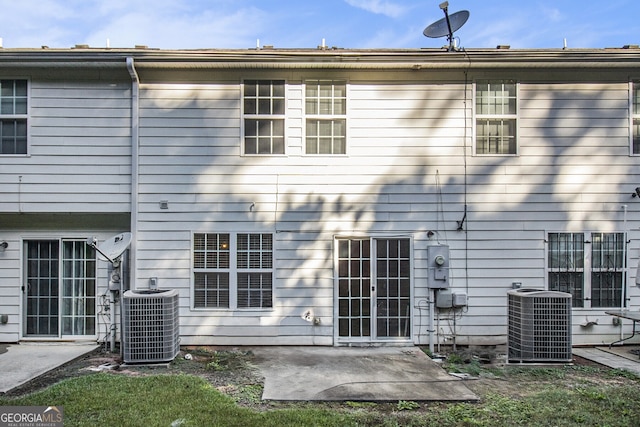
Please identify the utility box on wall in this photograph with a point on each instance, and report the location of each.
(438, 259)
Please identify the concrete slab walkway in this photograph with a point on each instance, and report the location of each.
(21, 363)
(617, 357)
(358, 374)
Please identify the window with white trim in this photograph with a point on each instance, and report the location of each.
(592, 271)
(496, 117)
(264, 112)
(241, 277)
(326, 123)
(635, 113)
(13, 117)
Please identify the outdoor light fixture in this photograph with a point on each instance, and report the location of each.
(3, 246)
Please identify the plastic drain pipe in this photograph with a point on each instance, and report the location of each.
(135, 161)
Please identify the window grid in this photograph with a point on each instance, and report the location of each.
(326, 137)
(354, 288)
(264, 111)
(566, 265)
(254, 253)
(496, 117)
(238, 278)
(13, 117)
(42, 288)
(393, 274)
(592, 271)
(607, 269)
(211, 290)
(326, 109)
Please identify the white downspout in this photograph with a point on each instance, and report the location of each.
(135, 133)
(625, 268)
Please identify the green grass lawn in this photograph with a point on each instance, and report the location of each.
(161, 400)
(545, 397)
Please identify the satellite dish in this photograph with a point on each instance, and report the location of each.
(447, 25)
(111, 248)
(441, 28)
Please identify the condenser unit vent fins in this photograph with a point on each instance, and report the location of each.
(539, 326)
(150, 330)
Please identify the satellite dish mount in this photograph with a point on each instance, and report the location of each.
(447, 25)
(111, 250)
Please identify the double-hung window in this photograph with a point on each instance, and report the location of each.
(264, 112)
(233, 270)
(591, 270)
(635, 114)
(13, 117)
(496, 115)
(326, 123)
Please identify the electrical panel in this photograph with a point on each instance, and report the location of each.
(438, 261)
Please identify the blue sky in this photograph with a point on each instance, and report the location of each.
(193, 24)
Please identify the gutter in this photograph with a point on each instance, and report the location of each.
(380, 59)
(135, 161)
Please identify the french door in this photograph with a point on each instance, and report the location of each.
(59, 289)
(374, 289)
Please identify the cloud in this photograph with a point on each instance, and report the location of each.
(206, 29)
(552, 14)
(379, 7)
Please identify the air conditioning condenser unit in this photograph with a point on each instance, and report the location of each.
(150, 326)
(539, 327)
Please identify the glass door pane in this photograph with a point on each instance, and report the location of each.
(78, 289)
(42, 285)
(393, 290)
(354, 288)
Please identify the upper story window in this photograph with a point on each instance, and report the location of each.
(496, 114)
(635, 112)
(264, 110)
(13, 117)
(326, 124)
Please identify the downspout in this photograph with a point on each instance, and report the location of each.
(135, 133)
(623, 291)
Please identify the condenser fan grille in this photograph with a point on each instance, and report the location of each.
(539, 326)
(150, 326)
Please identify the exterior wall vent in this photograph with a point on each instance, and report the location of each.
(150, 329)
(539, 326)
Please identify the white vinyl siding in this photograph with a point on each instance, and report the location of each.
(79, 158)
(405, 174)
